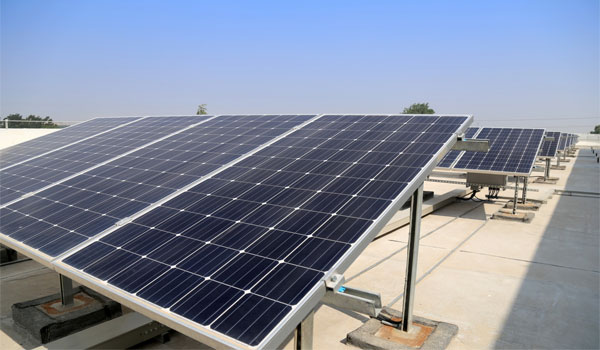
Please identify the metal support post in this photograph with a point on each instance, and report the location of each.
(558, 160)
(524, 198)
(303, 337)
(547, 170)
(516, 195)
(412, 253)
(66, 290)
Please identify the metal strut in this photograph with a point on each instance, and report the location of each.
(514, 211)
(547, 170)
(66, 290)
(412, 257)
(524, 198)
(303, 336)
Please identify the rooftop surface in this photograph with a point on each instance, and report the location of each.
(504, 284)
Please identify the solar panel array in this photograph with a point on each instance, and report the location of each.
(217, 226)
(549, 148)
(512, 152)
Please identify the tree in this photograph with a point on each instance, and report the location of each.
(32, 121)
(596, 130)
(418, 108)
(202, 110)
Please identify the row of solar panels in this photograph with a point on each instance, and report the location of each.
(222, 226)
(512, 151)
(228, 225)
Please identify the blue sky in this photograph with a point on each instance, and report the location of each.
(509, 63)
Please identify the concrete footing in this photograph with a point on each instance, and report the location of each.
(558, 167)
(47, 319)
(507, 214)
(550, 180)
(523, 206)
(425, 334)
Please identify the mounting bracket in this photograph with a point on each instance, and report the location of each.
(471, 145)
(350, 298)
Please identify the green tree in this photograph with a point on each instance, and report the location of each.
(596, 130)
(32, 121)
(418, 108)
(202, 110)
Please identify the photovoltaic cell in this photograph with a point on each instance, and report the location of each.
(549, 148)
(239, 250)
(25, 150)
(71, 212)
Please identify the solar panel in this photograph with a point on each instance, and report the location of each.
(549, 148)
(37, 173)
(236, 256)
(58, 218)
(451, 156)
(562, 144)
(512, 152)
(41, 145)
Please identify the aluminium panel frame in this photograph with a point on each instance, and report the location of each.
(299, 311)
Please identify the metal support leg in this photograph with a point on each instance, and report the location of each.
(524, 198)
(558, 161)
(412, 253)
(66, 290)
(547, 170)
(303, 337)
(516, 195)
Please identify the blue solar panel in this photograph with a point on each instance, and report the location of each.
(38, 173)
(512, 152)
(71, 212)
(236, 252)
(549, 148)
(451, 156)
(41, 145)
(562, 144)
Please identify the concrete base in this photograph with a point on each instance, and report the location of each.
(565, 160)
(425, 334)
(47, 319)
(521, 206)
(550, 180)
(507, 214)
